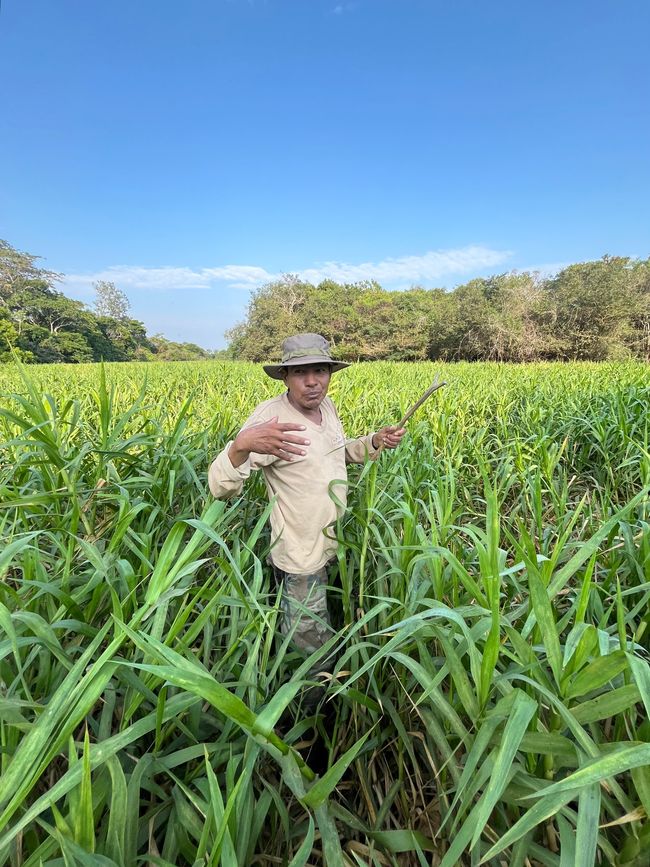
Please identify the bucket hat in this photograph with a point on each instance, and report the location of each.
(302, 349)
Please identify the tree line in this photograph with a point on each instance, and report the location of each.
(595, 311)
(40, 324)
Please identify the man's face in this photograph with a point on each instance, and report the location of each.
(307, 385)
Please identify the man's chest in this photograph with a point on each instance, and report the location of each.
(326, 444)
(325, 454)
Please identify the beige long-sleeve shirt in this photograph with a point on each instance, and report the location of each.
(309, 492)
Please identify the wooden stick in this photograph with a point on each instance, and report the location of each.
(427, 394)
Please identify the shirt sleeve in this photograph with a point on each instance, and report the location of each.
(225, 480)
(358, 451)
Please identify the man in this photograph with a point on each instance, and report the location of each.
(297, 440)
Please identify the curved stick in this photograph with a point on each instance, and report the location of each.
(427, 394)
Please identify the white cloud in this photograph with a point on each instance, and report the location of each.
(240, 276)
(391, 273)
(169, 278)
(410, 269)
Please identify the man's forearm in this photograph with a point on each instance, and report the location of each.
(357, 451)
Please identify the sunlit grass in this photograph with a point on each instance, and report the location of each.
(491, 692)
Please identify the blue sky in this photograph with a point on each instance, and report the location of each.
(192, 151)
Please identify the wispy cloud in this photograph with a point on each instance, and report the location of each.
(240, 276)
(169, 278)
(433, 265)
(391, 272)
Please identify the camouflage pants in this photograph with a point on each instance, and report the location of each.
(304, 615)
(304, 608)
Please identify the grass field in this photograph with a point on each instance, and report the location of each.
(491, 695)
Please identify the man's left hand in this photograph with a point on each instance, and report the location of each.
(388, 437)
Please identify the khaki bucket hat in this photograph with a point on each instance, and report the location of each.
(304, 349)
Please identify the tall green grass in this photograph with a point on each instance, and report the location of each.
(490, 699)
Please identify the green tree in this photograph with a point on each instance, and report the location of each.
(465, 330)
(168, 350)
(640, 341)
(67, 347)
(54, 311)
(120, 339)
(17, 267)
(516, 323)
(418, 313)
(500, 318)
(274, 312)
(376, 330)
(38, 313)
(110, 301)
(330, 309)
(9, 348)
(595, 306)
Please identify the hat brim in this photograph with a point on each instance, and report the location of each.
(275, 370)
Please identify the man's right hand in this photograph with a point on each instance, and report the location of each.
(268, 438)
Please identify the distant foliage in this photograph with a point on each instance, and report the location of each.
(589, 311)
(110, 301)
(168, 350)
(39, 324)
